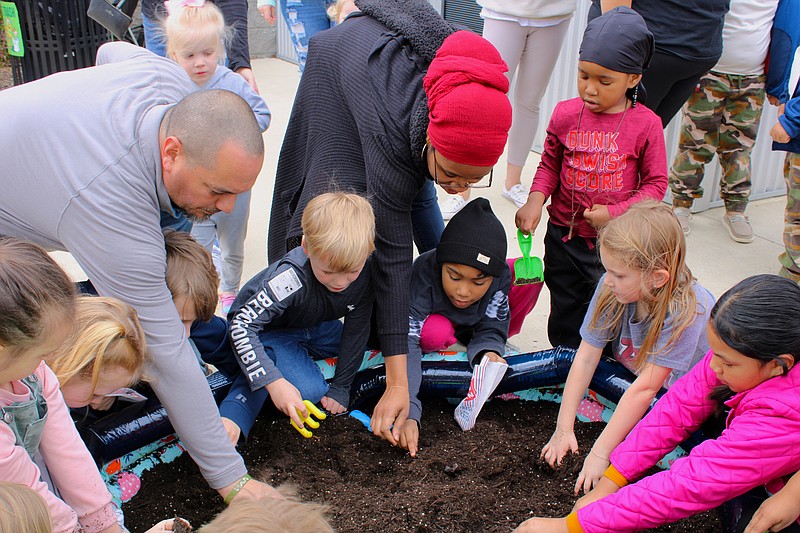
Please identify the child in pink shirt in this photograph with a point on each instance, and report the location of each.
(603, 152)
(39, 445)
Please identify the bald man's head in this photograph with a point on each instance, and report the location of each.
(206, 120)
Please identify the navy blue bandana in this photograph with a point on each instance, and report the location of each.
(618, 40)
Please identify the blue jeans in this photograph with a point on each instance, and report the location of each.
(154, 37)
(293, 351)
(304, 18)
(426, 218)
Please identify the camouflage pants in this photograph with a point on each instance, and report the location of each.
(721, 117)
(790, 258)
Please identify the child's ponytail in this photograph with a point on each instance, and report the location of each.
(34, 291)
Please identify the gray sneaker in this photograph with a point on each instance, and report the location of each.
(738, 227)
(683, 214)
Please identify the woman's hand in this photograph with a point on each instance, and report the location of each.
(543, 525)
(287, 399)
(390, 414)
(557, 447)
(593, 468)
(409, 437)
(332, 406)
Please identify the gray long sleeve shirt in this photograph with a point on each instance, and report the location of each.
(81, 172)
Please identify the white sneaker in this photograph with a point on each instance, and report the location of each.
(516, 194)
(451, 206)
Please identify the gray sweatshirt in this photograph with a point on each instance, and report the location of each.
(81, 172)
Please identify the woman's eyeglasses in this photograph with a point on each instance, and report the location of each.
(482, 184)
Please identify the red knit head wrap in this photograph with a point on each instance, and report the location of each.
(468, 107)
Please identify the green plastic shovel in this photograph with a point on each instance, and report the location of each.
(527, 269)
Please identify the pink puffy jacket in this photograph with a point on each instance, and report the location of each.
(760, 446)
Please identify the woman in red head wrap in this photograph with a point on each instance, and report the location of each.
(391, 100)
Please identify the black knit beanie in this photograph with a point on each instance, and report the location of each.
(475, 237)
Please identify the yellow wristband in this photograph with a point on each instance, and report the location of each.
(236, 488)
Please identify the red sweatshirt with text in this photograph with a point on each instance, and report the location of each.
(612, 159)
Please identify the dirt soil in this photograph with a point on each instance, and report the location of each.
(485, 480)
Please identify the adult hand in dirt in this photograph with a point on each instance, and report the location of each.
(288, 400)
(543, 525)
(557, 447)
(391, 414)
(332, 406)
(409, 437)
(777, 512)
(597, 215)
(593, 468)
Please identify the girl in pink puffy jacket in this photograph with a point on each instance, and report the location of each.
(750, 369)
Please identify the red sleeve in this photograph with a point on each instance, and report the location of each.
(652, 169)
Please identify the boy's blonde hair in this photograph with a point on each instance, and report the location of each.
(191, 272)
(339, 227)
(22, 510)
(270, 515)
(647, 238)
(186, 27)
(107, 334)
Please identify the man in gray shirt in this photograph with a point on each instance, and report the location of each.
(89, 160)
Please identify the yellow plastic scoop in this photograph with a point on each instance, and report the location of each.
(310, 422)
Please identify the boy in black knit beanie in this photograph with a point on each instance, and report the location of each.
(459, 292)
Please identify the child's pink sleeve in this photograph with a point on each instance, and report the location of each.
(71, 465)
(652, 170)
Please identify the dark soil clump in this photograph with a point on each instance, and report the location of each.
(488, 479)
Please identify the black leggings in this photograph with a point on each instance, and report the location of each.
(669, 81)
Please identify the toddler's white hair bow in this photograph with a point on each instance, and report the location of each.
(173, 6)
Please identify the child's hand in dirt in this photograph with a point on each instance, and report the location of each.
(778, 133)
(543, 525)
(332, 406)
(593, 468)
(603, 488)
(777, 512)
(287, 399)
(597, 215)
(232, 429)
(528, 216)
(560, 443)
(409, 437)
